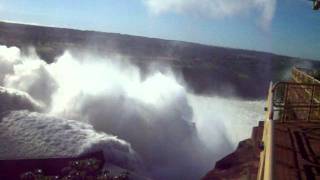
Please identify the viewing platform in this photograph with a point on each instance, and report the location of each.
(291, 135)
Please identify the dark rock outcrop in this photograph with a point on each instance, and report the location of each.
(243, 163)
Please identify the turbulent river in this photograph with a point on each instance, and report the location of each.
(150, 124)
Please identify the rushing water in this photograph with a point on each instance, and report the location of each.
(160, 126)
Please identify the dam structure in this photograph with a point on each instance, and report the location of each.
(290, 145)
(286, 144)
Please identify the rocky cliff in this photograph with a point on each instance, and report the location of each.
(243, 163)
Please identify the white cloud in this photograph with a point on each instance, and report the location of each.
(215, 8)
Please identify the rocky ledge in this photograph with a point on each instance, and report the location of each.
(243, 163)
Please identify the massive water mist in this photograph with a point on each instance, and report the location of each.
(160, 126)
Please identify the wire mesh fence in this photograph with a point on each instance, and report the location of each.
(296, 101)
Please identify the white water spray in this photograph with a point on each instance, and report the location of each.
(154, 114)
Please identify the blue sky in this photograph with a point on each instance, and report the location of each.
(288, 27)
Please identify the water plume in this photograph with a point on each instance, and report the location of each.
(170, 129)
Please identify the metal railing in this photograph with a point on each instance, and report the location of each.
(302, 75)
(296, 101)
(287, 102)
(265, 171)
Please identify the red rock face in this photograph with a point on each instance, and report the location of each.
(243, 163)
